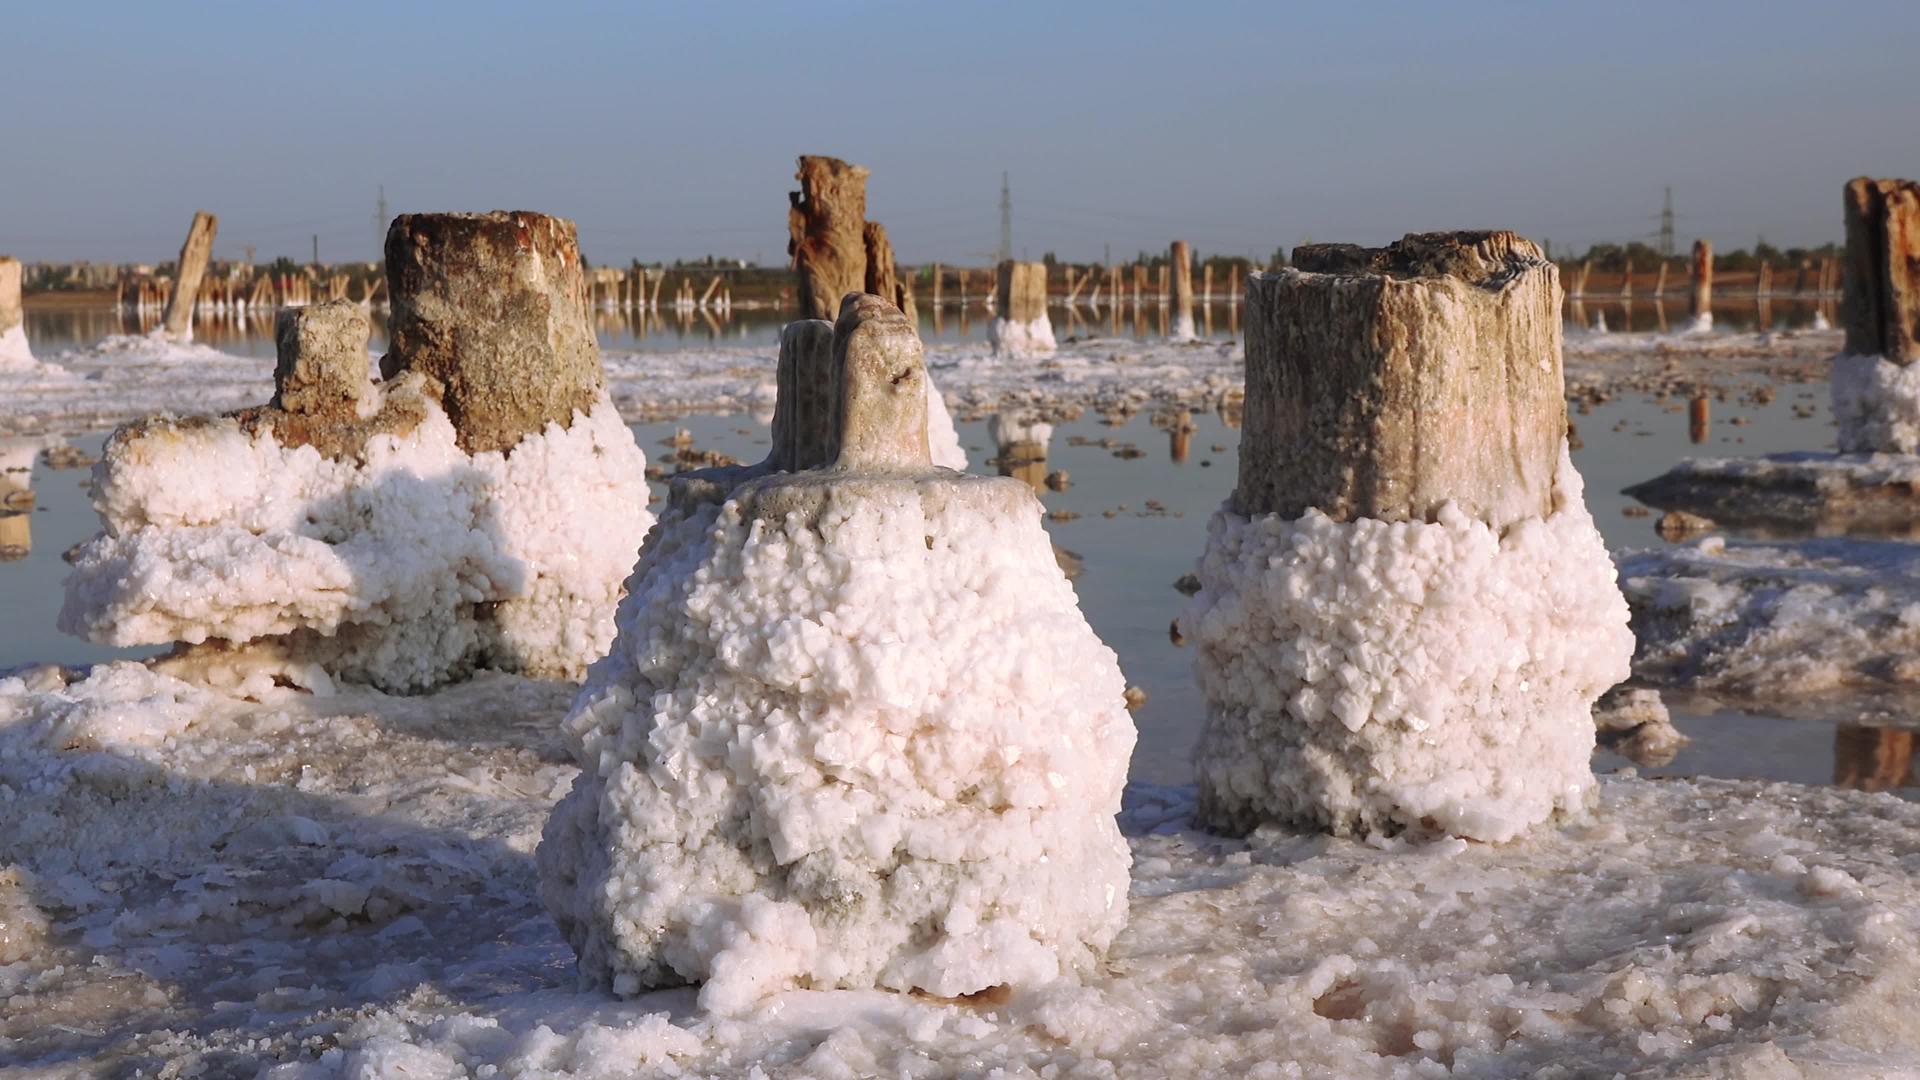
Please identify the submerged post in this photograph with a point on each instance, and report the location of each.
(1181, 259)
(1876, 394)
(493, 307)
(1700, 303)
(194, 255)
(1404, 489)
(826, 233)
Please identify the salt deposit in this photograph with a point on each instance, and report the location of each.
(942, 439)
(854, 731)
(1796, 493)
(1367, 675)
(403, 565)
(15, 353)
(1023, 338)
(1777, 620)
(341, 886)
(1876, 405)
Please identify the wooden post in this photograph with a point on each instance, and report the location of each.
(1206, 284)
(1763, 282)
(1699, 419)
(194, 255)
(826, 228)
(1180, 258)
(1880, 304)
(1233, 284)
(492, 306)
(882, 277)
(1580, 282)
(1700, 302)
(1660, 281)
(937, 283)
(1626, 281)
(12, 311)
(1426, 332)
(1383, 385)
(708, 295)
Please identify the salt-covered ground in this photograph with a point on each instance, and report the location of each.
(1786, 620)
(344, 886)
(122, 378)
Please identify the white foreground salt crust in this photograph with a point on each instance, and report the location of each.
(1876, 405)
(1019, 339)
(195, 884)
(943, 441)
(1367, 675)
(15, 353)
(375, 565)
(1786, 619)
(873, 745)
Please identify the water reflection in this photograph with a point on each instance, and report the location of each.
(1872, 758)
(1020, 439)
(17, 456)
(1649, 315)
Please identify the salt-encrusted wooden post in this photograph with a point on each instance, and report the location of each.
(1763, 281)
(1880, 290)
(1700, 302)
(492, 306)
(194, 254)
(1876, 399)
(1405, 613)
(1181, 259)
(826, 223)
(1626, 281)
(1020, 325)
(12, 313)
(1660, 281)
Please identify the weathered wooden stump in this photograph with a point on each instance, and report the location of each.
(195, 252)
(321, 359)
(1405, 613)
(882, 277)
(826, 226)
(12, 314)
(1880, 296)
(1383, 383)
(493, 307)
(1700, 300)
(1180, 258)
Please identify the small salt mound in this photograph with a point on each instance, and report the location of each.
(377, 564)
(15, 353)
(942, 439)
(1367, 675)
(1876, 405)
(1022, 338)
(854, 731)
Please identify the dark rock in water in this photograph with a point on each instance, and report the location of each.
(1188, 584)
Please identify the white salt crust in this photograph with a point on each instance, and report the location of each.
(305, 887)
(1017, 339)
(1876, 405)
(15, 353)
(943, 441)
(1364, 675)
(371, 568)
(883, 749)
(1182, 326)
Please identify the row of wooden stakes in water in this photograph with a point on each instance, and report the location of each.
(259, 292)
(1810, 279)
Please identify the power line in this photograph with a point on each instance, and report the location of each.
(1006, 219)
(1666, 226)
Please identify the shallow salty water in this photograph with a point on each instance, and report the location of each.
(1142, 524)
(54, 329)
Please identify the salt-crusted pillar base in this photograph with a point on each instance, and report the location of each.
(1876, 382)
(1020, 326)
(854, 731)
(1366, 677)
(1405, 612)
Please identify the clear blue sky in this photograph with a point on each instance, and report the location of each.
(670, 131)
